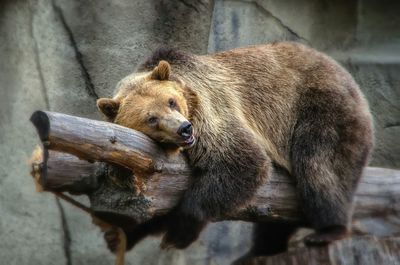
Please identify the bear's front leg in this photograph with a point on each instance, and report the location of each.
(222, 181)
(135, 234)
(182, 230)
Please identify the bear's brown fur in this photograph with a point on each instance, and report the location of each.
(280, 103)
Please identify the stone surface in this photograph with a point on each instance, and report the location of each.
(380, 83)
(62, 55)
(321, 24)
(28, 223)
(241, 23)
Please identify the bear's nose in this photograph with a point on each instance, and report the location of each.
(185, 130)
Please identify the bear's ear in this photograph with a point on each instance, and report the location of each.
(162, 71)
(108, 106)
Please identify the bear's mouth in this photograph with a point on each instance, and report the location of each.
(189, 142)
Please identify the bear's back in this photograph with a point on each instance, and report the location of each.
(275, 82)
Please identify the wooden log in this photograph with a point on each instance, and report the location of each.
(63, 172)
(103, 141)
(361, 250)
(161, 178)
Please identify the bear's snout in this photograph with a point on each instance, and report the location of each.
(185, 130)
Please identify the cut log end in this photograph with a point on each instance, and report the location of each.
(42, 123)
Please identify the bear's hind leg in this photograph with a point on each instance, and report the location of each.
(330, 147)
(326, 199)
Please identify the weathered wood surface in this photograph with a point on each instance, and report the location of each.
(65, 173)
(103, 141)
(357, 250)
(160, 179)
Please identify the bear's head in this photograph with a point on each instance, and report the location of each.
(154, 104)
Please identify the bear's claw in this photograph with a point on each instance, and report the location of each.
(112, 239)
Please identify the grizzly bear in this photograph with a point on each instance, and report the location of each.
(236, 113)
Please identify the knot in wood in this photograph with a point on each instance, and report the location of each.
(113, 139)
(158, 166)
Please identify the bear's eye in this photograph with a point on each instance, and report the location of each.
(172, 103)
(152, 120)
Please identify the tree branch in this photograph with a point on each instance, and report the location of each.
(159, 178)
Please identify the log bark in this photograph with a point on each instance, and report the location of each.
(64, 172)
(357, 250)
(103, 141)
(140, 180)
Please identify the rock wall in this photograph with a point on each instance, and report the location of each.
(63, 55)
